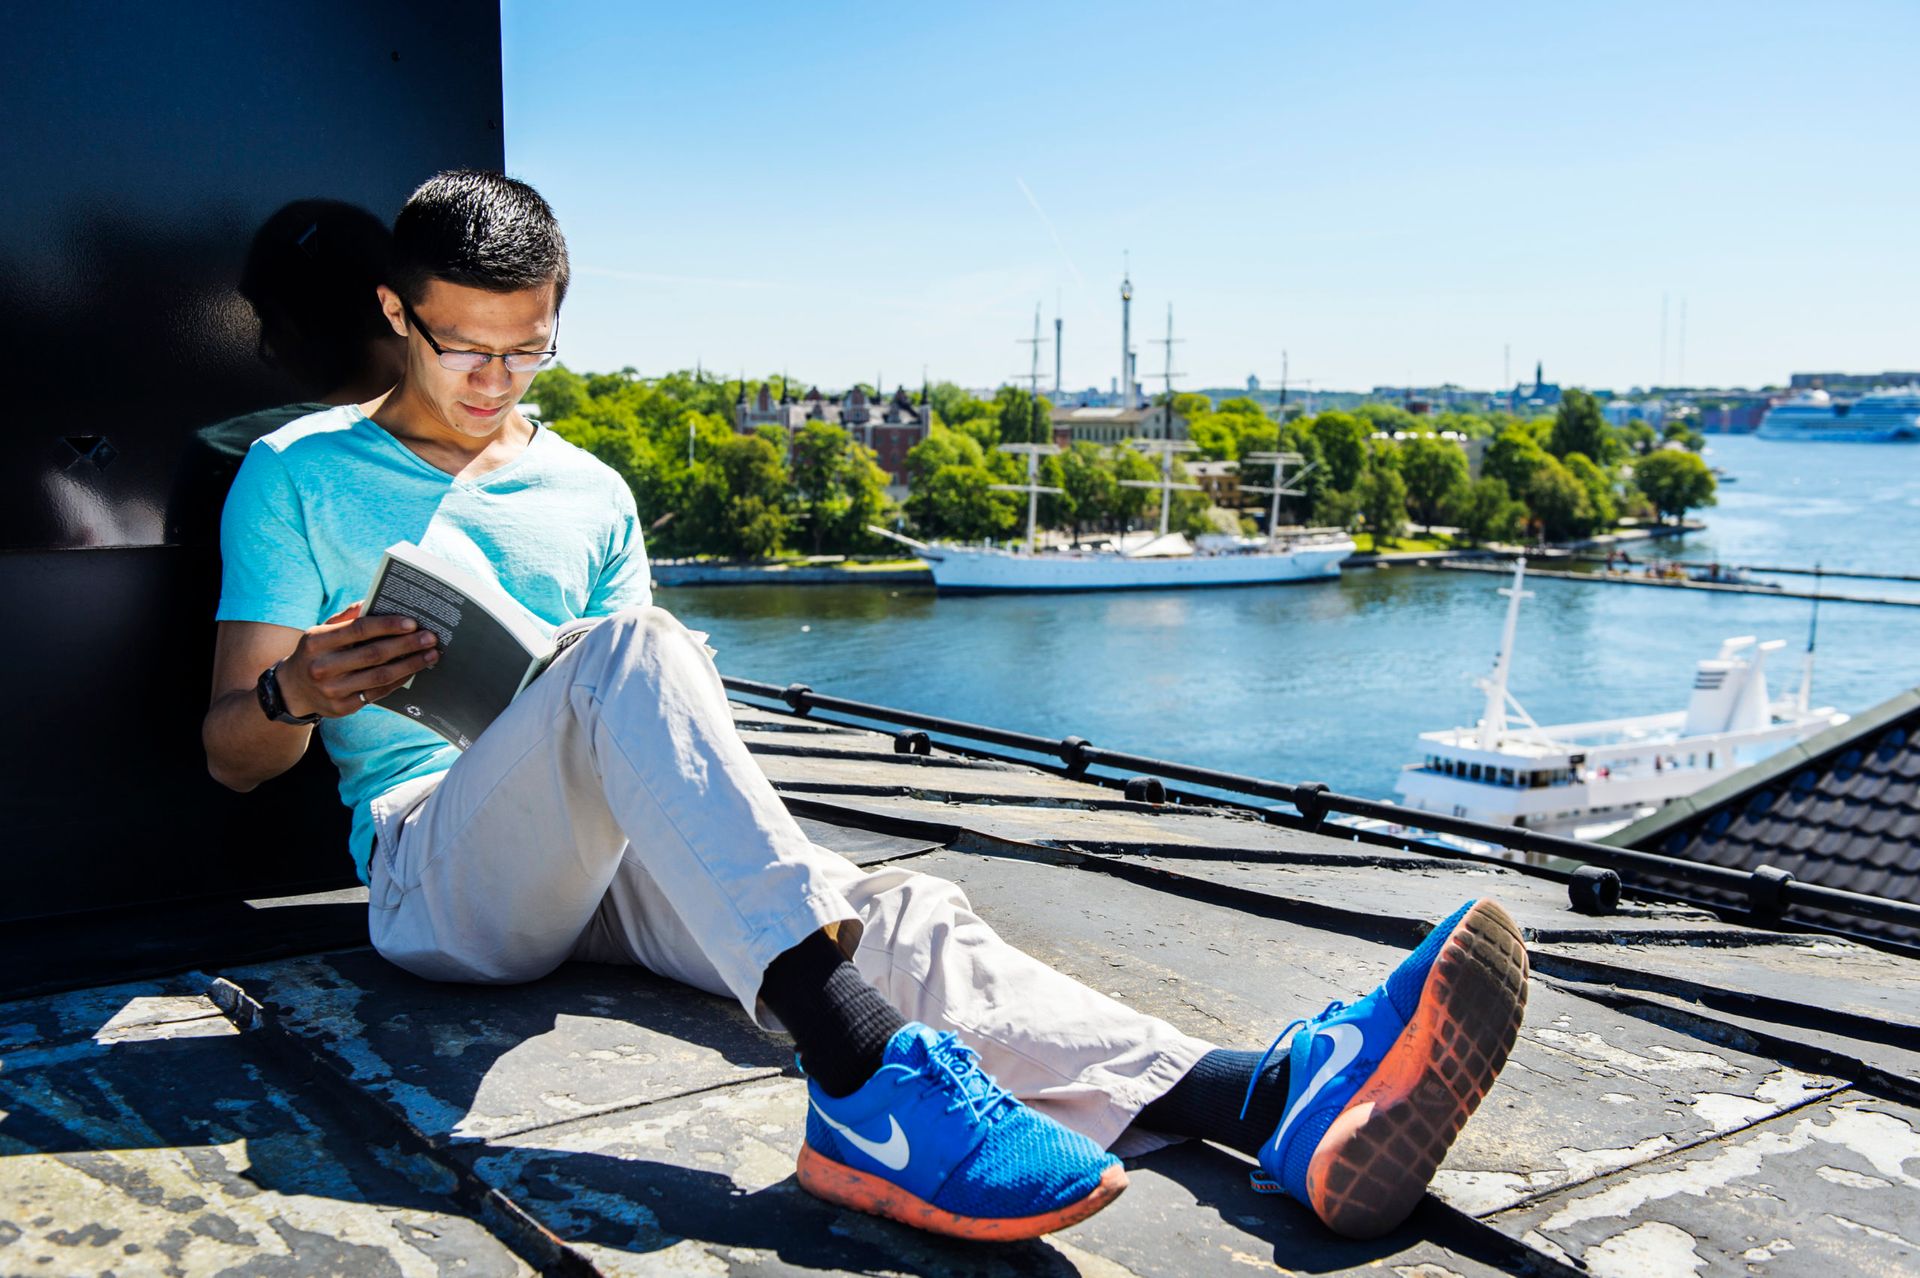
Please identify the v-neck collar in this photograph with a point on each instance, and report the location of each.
(453, 480)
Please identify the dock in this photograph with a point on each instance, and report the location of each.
(1502, 568)
(1689, 1090)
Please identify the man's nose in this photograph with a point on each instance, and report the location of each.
(492, 377)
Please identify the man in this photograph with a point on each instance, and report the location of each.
(612, 814)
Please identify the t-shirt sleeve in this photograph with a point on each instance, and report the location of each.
(267, 569)
(626, 580)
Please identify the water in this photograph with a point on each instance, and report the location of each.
(1334, 681)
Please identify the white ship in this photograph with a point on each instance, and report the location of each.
(1588, 779)
(1877, 417)
(1140, 561)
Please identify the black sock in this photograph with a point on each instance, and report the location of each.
(840, 1024)
(1206, 1103)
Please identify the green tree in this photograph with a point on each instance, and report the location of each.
(1132, 503)
(1514, 457)
(1675, 482)
(1342, 438)
(1579, 427)
(1435, 470)
(941, 447)
(1559, 502)
(737, 505)
(1682, 429)
(1606, 511)
(958, 501)
(1486, 512)
(559, 391)
(840, 487)
(1383, 501)
(1639, 438)
(1092, 490)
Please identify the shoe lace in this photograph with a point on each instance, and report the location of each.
(1284, 1035)
(956, 1068)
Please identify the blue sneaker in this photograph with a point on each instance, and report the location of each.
(1377, 1091)
(935, 1143)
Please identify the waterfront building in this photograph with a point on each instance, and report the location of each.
(1619, 412)
(890, 427)
(1116, 425)
(1740, 416)
(1850, 383)
(1540, 396)
(1219, 480)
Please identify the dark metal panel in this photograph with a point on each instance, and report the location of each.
(144, 146)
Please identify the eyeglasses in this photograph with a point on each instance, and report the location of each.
(474, 361)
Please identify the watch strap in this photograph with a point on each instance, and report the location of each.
(273, 703)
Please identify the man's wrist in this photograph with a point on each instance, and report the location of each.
(274, 702)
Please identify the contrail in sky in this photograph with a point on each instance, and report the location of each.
(1048, 222)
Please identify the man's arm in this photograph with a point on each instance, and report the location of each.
(323, 669)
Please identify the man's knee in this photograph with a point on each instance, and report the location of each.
(634, 629)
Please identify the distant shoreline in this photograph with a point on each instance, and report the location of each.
(841, 570)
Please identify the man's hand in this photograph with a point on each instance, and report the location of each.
(349, 661)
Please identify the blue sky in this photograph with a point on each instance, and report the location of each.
(1387, 192)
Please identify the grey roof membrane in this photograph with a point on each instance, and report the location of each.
(1688, 1095)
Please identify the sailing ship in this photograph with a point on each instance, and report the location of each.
(1587, 780)
(1140, 561)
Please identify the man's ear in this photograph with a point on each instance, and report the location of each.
(391, 307)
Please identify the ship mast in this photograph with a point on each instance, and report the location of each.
(1170, 341)
(1280, 487)
(1166, 448)
(1032, 488)
(1036, 342)
(1493, 720)
(1813, 631)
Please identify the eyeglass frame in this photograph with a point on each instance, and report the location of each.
(441, 353)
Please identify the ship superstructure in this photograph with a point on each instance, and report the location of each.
(1588, 779)
(1889, 415)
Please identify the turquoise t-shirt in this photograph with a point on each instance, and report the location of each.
(318, 501)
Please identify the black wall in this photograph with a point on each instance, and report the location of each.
(143, 146)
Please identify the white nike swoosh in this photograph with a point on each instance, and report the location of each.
(1347, 1041)
(891, 1153)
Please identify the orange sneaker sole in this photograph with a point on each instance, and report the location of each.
(1375, 1161)
(837, 1183)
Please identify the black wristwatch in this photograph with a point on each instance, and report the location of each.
(275, 705)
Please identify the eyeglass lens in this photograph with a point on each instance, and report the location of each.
(518, 362)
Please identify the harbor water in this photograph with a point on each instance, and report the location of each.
(1334, 681)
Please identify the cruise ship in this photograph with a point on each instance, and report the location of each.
(1587, 780)
(1878, 417)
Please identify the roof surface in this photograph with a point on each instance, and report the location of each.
(1688, 1095)
(1841, 809)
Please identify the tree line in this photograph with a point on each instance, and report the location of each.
(705, 488)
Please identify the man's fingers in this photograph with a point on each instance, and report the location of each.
(346, 634)
(347, 613)
(343, 663)
(382, 678)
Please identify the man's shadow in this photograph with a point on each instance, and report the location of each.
(617, 1108)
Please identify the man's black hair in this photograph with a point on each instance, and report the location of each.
(479, 229)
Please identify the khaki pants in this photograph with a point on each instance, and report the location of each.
(613, 814)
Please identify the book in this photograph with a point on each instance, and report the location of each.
(491, 645)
